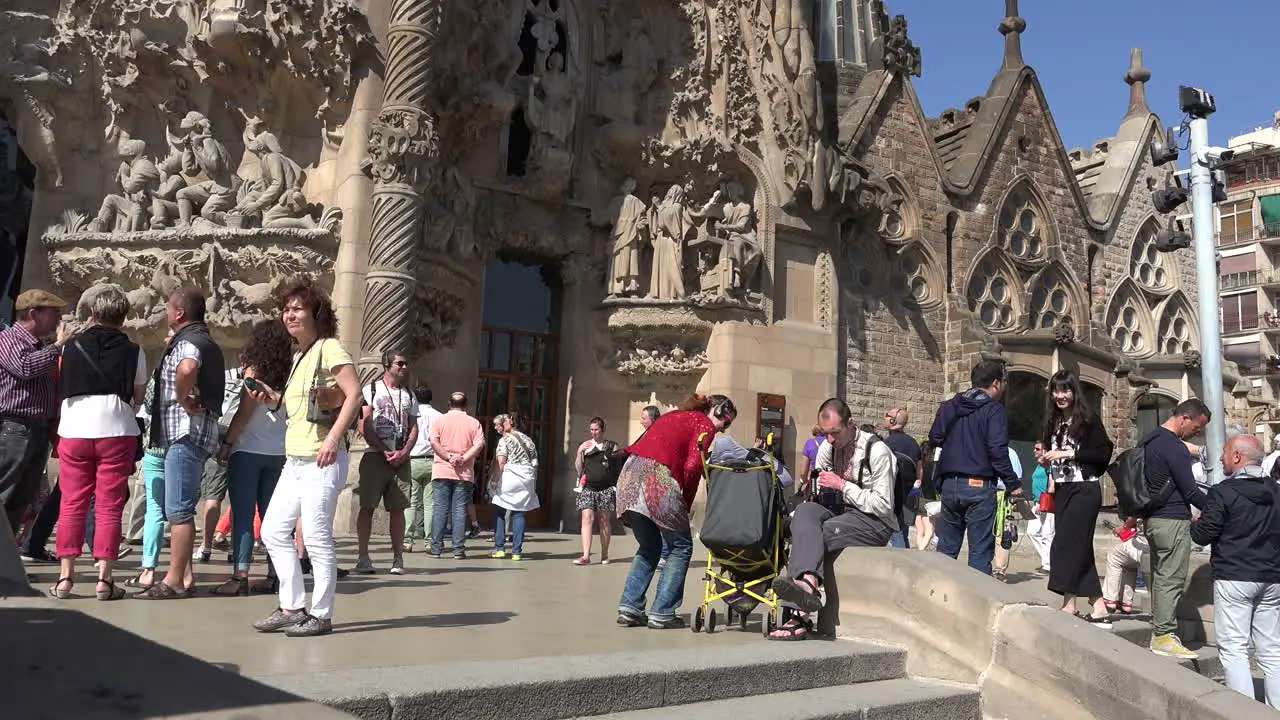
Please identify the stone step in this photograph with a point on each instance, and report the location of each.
(1138, 632)
(552, 688)
(887, 699)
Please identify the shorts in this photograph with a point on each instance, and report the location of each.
(598, 500)
(379, 482)
(213, 482)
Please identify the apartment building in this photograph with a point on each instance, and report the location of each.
(1248, 238)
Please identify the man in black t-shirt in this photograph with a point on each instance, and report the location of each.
(905, 447)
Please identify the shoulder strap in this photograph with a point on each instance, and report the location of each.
(865, 466)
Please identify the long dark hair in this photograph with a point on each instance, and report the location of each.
(1081, 413)
(269, 352)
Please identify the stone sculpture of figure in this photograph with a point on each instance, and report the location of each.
(552, 106)
(669, 223)
(623, 90)
(164, 203)
(276, 196)
(24, 76)
(449, 228)
(735, 230)
(139, 179)
(211, 184)
(629, 218)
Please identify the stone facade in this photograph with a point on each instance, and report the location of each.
(713, 202)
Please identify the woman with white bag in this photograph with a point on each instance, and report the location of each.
(514, 485)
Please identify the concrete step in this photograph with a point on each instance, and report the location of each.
(1138, 632)
(586, 685)
(887, 699)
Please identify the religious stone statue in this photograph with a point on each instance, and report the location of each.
(24, 76)
(623, 89)
(669, 224)
(735, 233)
(629, 218)
(139, 179)
(552, 106)
(164, 203)
(275, 198)
(206, 160)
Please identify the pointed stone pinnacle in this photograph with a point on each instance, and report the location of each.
(1012, 28)
(1137, 77)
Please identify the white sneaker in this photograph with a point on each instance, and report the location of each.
(397, 566)
(365, 567)
(201, 555)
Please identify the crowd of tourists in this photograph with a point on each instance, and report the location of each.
(273, 433)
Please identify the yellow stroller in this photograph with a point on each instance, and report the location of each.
(743, 533)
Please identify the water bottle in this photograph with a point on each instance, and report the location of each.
(1141, 582)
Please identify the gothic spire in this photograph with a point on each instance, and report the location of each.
(1137, 77)
(1012, 27)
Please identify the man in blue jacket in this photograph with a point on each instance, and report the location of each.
(972, 430)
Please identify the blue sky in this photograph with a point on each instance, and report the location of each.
(1080, 50)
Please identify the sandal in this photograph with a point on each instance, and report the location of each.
(111, 593)
(234, 587)
(58, 592)
(136, 582)
(791, 591)
(265, 586)
(161, 591)
(584, 560)
(794, 629)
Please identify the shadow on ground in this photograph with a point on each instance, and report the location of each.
(444, 620)
(64, 664)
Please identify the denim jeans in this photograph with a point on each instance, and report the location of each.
(898, 540)
(447, 495)
(251, 479)
(1241, 610)
(183, 471)
(24, 450)
(153, 523)
(46, 520)
(500, 529)
(670, 592)
(970, 507)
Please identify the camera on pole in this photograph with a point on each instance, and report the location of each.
(1168, 198)
(1172, 237)
(1196, 102)
(1164, 150)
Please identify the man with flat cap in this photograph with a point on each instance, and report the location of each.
(29, 351)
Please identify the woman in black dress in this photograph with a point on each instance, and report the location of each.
(1077, 454)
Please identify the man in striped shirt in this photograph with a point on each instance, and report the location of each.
(28, 397)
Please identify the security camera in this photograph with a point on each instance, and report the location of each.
(1196, 102)
(1215, 155)
(1164, 150)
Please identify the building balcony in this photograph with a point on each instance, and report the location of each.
(1266, 233)
(1249, 279)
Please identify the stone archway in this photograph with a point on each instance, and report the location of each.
(17, 188)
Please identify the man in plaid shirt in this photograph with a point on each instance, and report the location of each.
(185, 410)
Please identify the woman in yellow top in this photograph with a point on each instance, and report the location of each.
(315, 469)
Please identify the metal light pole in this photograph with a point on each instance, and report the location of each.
(1207, 281)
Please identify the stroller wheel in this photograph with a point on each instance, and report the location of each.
(696, 626)
(766, 625)
(711, 621)
(742, 620)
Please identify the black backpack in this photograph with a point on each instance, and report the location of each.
(903, 481)
(1128, 473)
(603, 466)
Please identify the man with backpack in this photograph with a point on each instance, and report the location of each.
(852, 505)
(1168, 492)
(972, 429)
(907, 453)
(1242, 522)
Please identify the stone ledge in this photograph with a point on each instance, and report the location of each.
(1028, 660)
(174, 237)
(593, 684)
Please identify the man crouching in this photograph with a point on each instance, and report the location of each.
(852, 506)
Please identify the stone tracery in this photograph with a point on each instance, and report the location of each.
(1021, 228)
(992, 292)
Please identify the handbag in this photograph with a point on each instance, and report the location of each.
(324, 403)
(1046, 504)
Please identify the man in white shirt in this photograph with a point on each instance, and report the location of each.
(417, 517)
(390, 427)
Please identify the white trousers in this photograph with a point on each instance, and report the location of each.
(1244, 609)
(311, 493)
(1040, 530)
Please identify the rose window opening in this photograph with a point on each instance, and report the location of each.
(913, 284)
(1049, 304)
(1126, 328)
(1175, 334)
(991, 297)
(1148, 263)
(1020, 229)
(894, 225)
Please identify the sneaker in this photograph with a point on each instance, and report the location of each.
(662, 562)
(629, 620)
(311, 627)
(343, 573)
(435, 555)
(515, 556)
(39, 556)
(1170, 646)
(279, 620)
(669, 623)
(365, 566)
(498, 554)
(202, 555)
(460, 556)
(474, 532)
(397, 566)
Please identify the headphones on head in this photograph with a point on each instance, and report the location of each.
(720, 411)
(388, 356)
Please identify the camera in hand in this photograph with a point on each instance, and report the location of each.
(828, 498)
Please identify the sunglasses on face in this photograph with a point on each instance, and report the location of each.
(400, 363)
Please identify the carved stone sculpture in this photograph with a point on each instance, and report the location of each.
(623, 90)
(139, 179)
(211, 182)
(893, 50)
(275, 199)
(552, 107)
(731, 253)
(670, 224)
(629, 218)
(25, 76)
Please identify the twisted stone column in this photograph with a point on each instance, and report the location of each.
(402, 148)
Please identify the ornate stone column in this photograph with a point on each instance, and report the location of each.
(402, 147)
